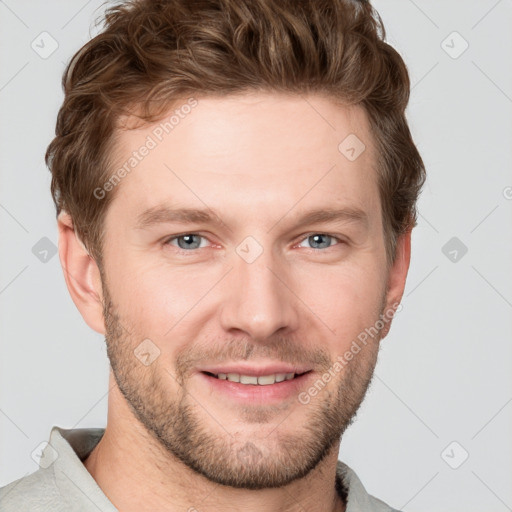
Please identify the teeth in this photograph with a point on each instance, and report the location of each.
(263, 380)
(247, 379)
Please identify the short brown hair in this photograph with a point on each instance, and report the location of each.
(152, 52)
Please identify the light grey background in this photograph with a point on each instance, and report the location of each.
(444, 372)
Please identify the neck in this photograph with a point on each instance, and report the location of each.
(129, 455)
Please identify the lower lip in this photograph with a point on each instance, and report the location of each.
(276, 392)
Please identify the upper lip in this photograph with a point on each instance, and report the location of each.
(253, 370)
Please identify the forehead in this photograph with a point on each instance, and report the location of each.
(253, 152)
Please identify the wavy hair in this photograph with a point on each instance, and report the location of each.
(150, 53)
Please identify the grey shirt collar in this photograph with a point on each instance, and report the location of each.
(68, 448)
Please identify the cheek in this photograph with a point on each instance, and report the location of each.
(159, 300)
(153, 300)
(346, 299)
(136, 295)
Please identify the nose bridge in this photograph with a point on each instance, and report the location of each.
(257, 301)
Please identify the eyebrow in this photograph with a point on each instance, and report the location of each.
(165, 214)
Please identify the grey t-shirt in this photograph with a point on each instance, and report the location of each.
(63, 484)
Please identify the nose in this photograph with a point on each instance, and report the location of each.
(258, 298)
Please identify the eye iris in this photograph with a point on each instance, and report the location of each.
(317, 239)
(193, 241)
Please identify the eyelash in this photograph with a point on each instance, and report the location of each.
(305, 237)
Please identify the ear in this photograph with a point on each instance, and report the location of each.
(81, 273)
(397, 277)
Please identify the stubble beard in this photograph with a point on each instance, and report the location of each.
(187, 431)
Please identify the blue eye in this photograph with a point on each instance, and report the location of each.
(187, 241)
(320, 240)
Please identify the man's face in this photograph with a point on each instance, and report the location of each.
(256, 291)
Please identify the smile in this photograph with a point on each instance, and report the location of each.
(262, 380)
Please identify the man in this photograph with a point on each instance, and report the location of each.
(235, 184)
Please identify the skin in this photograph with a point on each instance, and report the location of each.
(259, 161)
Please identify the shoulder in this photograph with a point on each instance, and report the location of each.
(36, 491)
(357, 497)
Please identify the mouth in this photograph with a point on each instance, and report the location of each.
(264, 389)
(261, 380)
